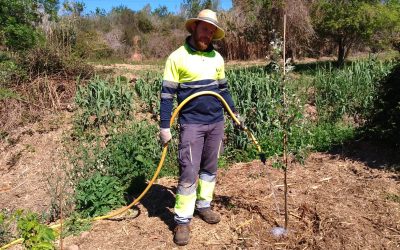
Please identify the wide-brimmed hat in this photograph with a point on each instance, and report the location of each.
(208, 16)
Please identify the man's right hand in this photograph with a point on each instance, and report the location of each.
(241, 120)
(165, 135)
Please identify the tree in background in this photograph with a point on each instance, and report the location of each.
(161, 11)
(19, 20)
(190, 8)
(347, 23)
(254, 23)
(74, 8)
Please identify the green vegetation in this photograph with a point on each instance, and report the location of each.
(102, 102)
(393, 197)
(34, 233)
(347, 23)
(146, 87)
(383, 122)
(350, 91)
(5, 227)
(125, 153)
(98, 195)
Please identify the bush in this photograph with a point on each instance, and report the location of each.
(384, 123)
(98, 195)
(11, 73)
(36, 236)
(127, 159)
(47, 60)
(132, 156)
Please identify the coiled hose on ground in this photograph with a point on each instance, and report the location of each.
(161, 163)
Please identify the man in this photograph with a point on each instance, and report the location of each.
(195, 67)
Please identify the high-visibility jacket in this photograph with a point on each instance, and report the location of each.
(188, 71)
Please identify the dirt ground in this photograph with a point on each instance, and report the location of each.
(334, 202)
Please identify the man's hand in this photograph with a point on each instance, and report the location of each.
(241, 120)
(165, 135)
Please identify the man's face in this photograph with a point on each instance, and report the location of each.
(203, 34)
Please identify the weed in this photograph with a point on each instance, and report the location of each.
(6, 220)
(3, 135)
(75, 225)
(393, 197)
(36, 235)
(14, 159)
(98, 195)
(6, 93)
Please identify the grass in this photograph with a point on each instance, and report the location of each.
(393, 197)
(6, 94)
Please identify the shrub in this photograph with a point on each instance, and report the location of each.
(36, 235)
(384, 122)
(48, 60)
(98, 195)
(132, 156)
(11, 73)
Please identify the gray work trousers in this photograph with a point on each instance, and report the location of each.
(199, 149)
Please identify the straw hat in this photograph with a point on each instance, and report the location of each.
(208, 16)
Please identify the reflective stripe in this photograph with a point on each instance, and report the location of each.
(186, 188)
(167, 96)
(190, 153)
(205, 176)
(170, 84)
(223, 89)
(202, 204)
(219, 149)
(192, 86)
(205, 190)
(184, 205)
(222, 81)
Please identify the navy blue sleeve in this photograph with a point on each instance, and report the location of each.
(224, 91)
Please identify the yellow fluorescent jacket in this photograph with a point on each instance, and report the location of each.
(188, 71)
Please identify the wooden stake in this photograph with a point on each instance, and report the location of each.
(285, 140)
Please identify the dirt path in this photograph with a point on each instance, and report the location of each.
(334, 203)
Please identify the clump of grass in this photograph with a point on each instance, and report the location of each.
(393, 197)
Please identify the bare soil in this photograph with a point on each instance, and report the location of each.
(334, 202)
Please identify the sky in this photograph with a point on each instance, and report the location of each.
(172, 5)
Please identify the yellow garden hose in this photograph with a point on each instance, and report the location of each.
(161, 163)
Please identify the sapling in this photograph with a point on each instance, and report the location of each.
(290, 114)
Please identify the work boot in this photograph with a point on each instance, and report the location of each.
(208, 215)
(182, 234)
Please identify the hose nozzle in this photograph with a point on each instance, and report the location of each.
(263, 158)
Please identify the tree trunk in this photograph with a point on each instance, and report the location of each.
(341, 52)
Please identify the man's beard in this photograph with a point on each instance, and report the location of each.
(202, 44)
